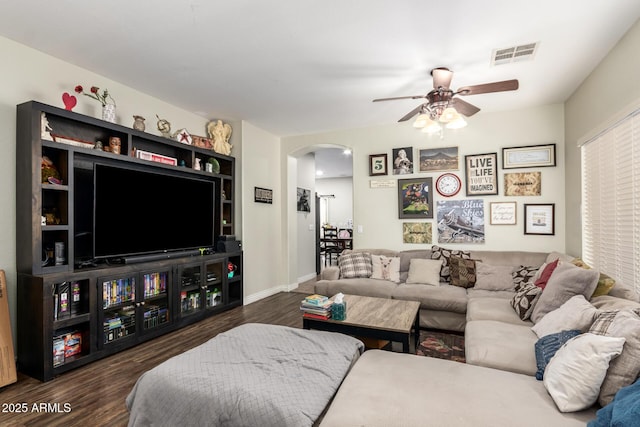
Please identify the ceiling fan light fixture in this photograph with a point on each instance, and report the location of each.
(421, 121)
(458, 123)
(449, 114)
(432, 127)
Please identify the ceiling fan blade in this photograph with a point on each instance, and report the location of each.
(412, 113)
(463, 107)
(441, 77)
(489, 87)
(400, 97)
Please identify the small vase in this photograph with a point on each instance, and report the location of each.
(109, 113)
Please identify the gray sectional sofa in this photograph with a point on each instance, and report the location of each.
(495, 387)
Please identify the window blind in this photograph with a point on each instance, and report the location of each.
(611, 201)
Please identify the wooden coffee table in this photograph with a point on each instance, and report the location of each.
(378, 318)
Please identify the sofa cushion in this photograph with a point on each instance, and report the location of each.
(493, 309)
(444, 255)
(544, 274)
(547, 346)
(605, 283)
(501, 345)
(510, 258)
(525, 300)
(624, 369)
(574, 375)
(363, 286)
(622, 290)
(463, 272)
(494, 277)
(483, 293)
(424, 271)
(444, 297)
(566, 281)
(609, 302)
(393, 389)
(576, 313)
(386, 268)
(354, 265)
(522, 275)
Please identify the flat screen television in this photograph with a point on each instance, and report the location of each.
(138, 211)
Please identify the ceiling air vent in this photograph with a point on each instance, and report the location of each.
(507, 55)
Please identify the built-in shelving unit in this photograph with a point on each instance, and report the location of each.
(73, 309)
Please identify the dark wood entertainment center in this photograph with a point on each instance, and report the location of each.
(74, 309)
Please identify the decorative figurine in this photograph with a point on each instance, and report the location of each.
(197, 166)
(48, 169)
(45, 128)
(69, 101)
(138, 123)
(183, 136)
(98, 145)
(220, 133)
(114, 145)
(164, 127)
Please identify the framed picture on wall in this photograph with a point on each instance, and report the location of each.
(403, 161)
(530, 156)
(523, 184)
(303, 202)
(378, 164)
(502, 213)
(539, 218)
(439, 159)
(415, 198)
(481, 174)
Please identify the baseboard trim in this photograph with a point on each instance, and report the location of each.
(266, 293)
(306, 278)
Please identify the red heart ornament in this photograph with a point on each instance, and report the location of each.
(70, 101)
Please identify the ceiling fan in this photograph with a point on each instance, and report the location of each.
(444, 105)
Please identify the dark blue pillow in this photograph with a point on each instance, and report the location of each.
(547, 346)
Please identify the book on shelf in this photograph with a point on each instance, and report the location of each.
(58, 350)
(147, 155)
(75, 298)
(63, 308)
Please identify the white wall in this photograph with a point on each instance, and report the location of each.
(261, 222)
(341, 206)
(306, 233)
(376, 209)
(610, 91)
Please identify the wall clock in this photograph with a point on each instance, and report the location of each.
(448, 184)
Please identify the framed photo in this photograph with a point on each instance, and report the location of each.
(539, 219)
(481, 174)
(502, 213)
(461, 221)
(415, 198)
(439, 159)
(417, 232)
(531, 156)
(523, 184)
(378, 164)
(262, 195)
(403, 161)
(302, 200)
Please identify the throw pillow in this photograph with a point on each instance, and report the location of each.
(385, 268)
(546, 347)
(494, 277)
(355, 265)
(576, 313)
(463, 272)
(523, 275)
(444, 255)
(624, 369)
(574, 375)
(566, 281)
(542, 280)
(605, 283)
(424, 271)
(525, 299)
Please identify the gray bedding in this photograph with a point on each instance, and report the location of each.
(252, 375)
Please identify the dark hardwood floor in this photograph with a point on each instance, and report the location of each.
(95, 393)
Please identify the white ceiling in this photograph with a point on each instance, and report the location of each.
(305, 66)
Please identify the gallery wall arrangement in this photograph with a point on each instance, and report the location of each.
(463, 189)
